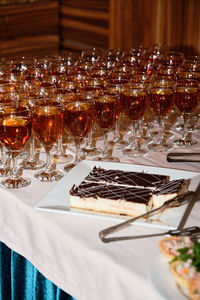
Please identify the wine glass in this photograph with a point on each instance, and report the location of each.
(90, 149)
(106, 110)
(186, 100)
(118, 86)
(60, 155)
(162, 92)
(47, 123)
(15, 130)
(135, 104)
(78, 118)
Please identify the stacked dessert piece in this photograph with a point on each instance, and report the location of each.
(124, 193)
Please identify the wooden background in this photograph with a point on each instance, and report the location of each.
(77, 24)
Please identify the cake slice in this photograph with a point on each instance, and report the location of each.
(168, 190)
(111, 198)
(126, 178)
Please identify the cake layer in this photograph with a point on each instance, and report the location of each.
(111, 198)
(125, 178)
(168, 190)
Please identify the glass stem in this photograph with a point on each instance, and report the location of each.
(117, 125)
(48, 161)
(105, 143)
(161, 124)
(3, 157)
(59, 145)
(77, 154)
(186, 125)
(14, 172)
(32, 149)
(134, 128)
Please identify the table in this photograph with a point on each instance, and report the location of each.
(67, 249)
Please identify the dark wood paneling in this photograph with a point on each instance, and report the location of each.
(175, 23)
(84, 24)
(30, 27)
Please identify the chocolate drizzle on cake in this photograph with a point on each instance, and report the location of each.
(169, 187)
(114, 192)
(122, 192)
(137, 179)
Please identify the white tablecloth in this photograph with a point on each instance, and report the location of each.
(68, 251)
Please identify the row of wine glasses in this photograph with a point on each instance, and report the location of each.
(97, 93)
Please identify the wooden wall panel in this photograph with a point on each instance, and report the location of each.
(29, 28)
(175, 23)
(84, 24)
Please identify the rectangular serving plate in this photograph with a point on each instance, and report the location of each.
(58, 199)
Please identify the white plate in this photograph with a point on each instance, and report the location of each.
(162, 281)
(58, 200)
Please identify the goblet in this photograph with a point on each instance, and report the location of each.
(106, 109)
(135, 103)
(15, 130)
(60, 155)
(47, 123)
(78, 118)
(118, 86)
(90, 149)
(186, 100)
(162, 93)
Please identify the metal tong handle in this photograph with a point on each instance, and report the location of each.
(193, 232)
(179, 157)
(104, 233)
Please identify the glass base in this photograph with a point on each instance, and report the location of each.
(89, 152)
(16, 183)
(107, 158)
(33, 164)
(62, 158)
(159, 147)
(144, 140)
(166, 134)
(4, 171)
(185, 142)
(120, 144)
(134, 152)
(49, 176)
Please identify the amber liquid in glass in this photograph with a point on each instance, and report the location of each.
(47, 124)
(162, 102)
(15, 132)
(78, 118)
(135, 106)
(106, 112)
(186, 101)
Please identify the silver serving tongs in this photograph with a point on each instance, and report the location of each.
(183, 157)
(176, 201)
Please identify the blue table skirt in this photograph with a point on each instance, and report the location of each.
(20, 280)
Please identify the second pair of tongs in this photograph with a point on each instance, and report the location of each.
(183, 157)
(178, 200)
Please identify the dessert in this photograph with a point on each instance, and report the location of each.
(111, 198)
(123, 192)
(167, 190)
(125, 178)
